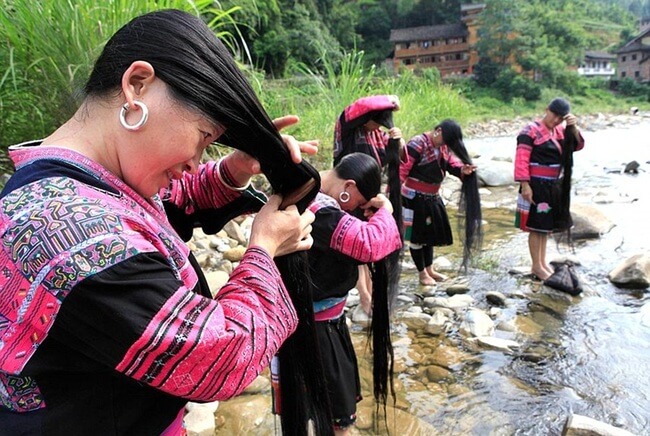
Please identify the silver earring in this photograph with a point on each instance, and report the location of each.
(344, 197)
(141, 122)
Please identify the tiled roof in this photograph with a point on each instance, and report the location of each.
(599, 55)
(428, 32)
(635, 46)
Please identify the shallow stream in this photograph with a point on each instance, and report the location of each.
(588, 355)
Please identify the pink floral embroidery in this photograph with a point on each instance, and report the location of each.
(543, 208)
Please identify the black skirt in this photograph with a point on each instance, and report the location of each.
(341, 370)
(430, 221)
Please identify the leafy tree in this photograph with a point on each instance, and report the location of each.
(374, 24)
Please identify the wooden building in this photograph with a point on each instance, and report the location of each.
(448, 47)
(597, 64)
(633, 58)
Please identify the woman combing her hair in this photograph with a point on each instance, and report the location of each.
(432, 155)
(341, 243)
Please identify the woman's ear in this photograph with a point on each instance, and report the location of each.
(349, 184)
(136, 79)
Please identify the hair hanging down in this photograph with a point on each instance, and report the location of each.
(562, 217)
(202, 74)
(366, 173)
(470, 216)
(385, 277)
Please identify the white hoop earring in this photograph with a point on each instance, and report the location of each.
(141, 122)
(344, 197)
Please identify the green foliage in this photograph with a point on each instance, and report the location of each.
(512, 85)
(629, 87)
(50, 47)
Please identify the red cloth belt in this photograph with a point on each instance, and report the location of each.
(419, 186)
(545, 171)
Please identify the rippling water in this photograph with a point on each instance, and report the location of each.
(593, 352)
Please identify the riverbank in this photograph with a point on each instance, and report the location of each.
(588, 122)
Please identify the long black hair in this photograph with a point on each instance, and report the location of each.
(202, 74)
(470, 216)
(366, 173)
(562, 217)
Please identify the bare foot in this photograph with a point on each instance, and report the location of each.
(549, 269)
(541, 274)
(438, 277)
(425, 279)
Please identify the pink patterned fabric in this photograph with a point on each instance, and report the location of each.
(366, 104)
(58, 231)
(540, 135)
(201, 191)
(211, 350)
(359, 239)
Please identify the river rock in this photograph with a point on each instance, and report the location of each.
(360, 317)
(216, 280)
(578, 425)
(588, 222)
(245, 414)
(436, 374)
(456, 302)
(496, 298)
(233, 230)
(438, 323)
(495, 173)
(505, 345)
(395, 419)
(477, 323)
(415, 321)
(633, 273)
(199, 419)
(234, 254)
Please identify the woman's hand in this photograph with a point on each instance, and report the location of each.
(380, 200)
(570, 120)
(527, 192)
(242, 165)
(395, 133)
(468, 169)
(281, 232)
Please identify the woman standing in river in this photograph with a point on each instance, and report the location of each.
(538, 168)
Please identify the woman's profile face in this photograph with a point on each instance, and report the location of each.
(171, 142)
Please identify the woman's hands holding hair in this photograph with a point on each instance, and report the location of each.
(281, 232)
(242, 165)
(380, 200)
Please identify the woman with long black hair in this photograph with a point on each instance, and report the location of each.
(544, 157)
(341, 243)
(432, 155)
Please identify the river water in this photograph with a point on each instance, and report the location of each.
(588, 355)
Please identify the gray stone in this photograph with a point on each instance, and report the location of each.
(634, 272)
(579, 425)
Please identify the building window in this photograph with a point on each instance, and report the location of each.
(426, 44)
(633, 57)
(408, 61)
(458, 56)
(622, 73)
(636, 74)
(623, 59)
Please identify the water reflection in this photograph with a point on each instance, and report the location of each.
(587, 355)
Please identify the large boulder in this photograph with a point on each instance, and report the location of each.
(588, 222)
(633, 273)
